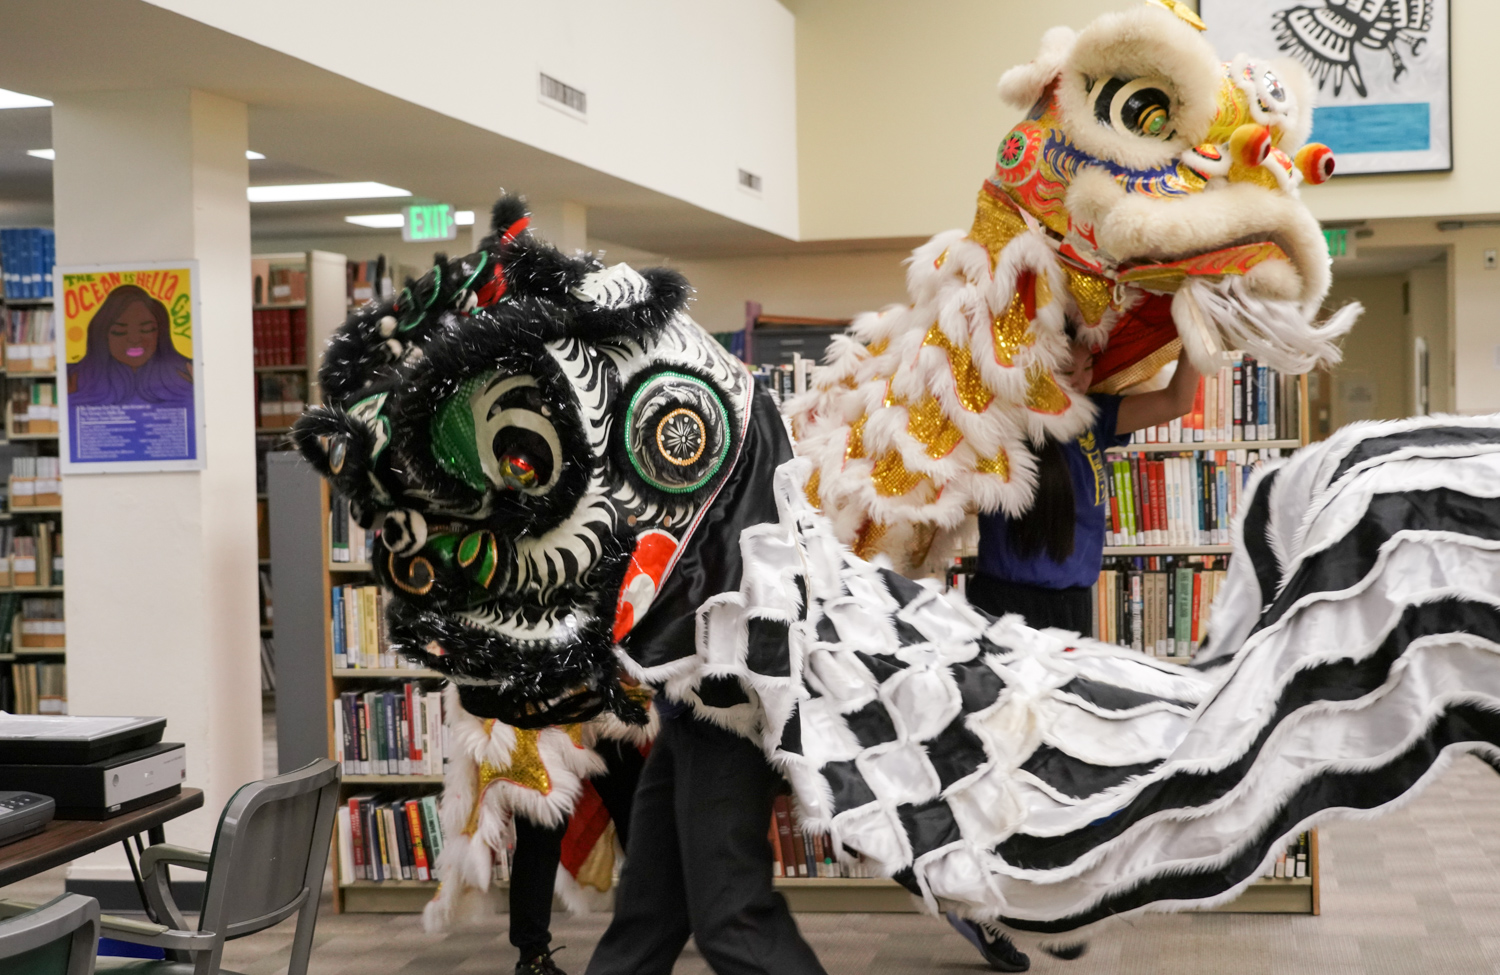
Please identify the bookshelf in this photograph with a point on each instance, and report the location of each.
(1134, 593)
(298, 300)
(33, 651)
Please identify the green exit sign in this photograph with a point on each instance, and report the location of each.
(1338, 241)
(432, 221)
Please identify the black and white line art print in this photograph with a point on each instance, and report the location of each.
(1379, 72)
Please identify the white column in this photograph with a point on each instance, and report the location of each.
(561, 223)
(161, 583)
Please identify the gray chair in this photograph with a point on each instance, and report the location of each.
(267, 864)
(57, 938)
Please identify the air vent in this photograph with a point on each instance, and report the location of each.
(749, 181)
(562, 96)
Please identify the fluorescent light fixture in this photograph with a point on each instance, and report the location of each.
(42, 153)
(395, 221)
(379, 221)
(252, 154)
(302, 192)
(14, 99)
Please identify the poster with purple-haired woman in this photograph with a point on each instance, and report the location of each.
(131, 400)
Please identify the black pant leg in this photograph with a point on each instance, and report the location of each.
(723, 806)
(622, 773)
(650, 925)
(533, 876)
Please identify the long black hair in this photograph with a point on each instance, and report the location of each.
(1051, 523)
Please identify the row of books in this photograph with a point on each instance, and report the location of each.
(368, 280)
(1157, 604)
(277, 285)
(347, 541)
(280, 397)
(360, 638)
(33, 407)
(29, 335)
(1295, 861)
(31, 556)
(394, 731)
(267, 666)
(389, 839)
(784, 381)
(34, 688)
(42, 625)
(800, 853)
(1186, 498)
(1243, 401)
(35, 482)
(280, 336)
(27, 255)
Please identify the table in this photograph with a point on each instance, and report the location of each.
(68, 839)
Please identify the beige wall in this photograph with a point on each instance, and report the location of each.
(898, 120)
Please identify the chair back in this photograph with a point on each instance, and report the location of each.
(270, 851)
(57, 938)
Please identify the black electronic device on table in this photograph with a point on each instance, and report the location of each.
(23, 814)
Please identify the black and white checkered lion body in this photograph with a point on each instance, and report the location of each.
(1051, 781)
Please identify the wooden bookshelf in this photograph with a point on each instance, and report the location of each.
(39, 444)
(324, 311)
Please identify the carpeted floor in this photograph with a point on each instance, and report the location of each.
(1414, 892)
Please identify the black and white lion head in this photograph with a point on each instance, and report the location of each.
(535, 437)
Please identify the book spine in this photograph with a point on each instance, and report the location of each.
(782, 806)
(357, 840)
(773, 837)
(418, 849)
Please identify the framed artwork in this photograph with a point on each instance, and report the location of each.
(1380, 67)
(130, 364)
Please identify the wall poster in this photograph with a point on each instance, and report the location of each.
(131, 395)
(1380, 67)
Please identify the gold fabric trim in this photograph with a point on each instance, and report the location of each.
(967, 383)
(855, 448)
(930, 427)
(811, 489)
(1043, 394)
(878, 346)
(1012, 331)
(1091, 293)
(891, 477)
(598, 868)
(1140, 371)
(998, 464)
(995, 225)
(867, 539)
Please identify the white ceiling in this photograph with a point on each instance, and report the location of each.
(312, 125)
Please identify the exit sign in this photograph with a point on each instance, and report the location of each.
(433, 221)
(1339, 244)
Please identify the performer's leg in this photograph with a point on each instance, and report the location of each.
(651, 919)
(623, 763)
(533, 876)
(724, 792)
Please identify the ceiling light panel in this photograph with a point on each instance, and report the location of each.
(42, 153)
(252, 154)
(395, 221)
(305, 192)
(14, 99)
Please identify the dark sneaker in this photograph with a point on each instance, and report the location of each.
(993, 945)
(542, 965)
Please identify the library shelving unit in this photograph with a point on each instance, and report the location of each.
(282, 353)
(31, 378)
(1296, 895)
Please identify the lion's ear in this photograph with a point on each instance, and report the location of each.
(1023, 86)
